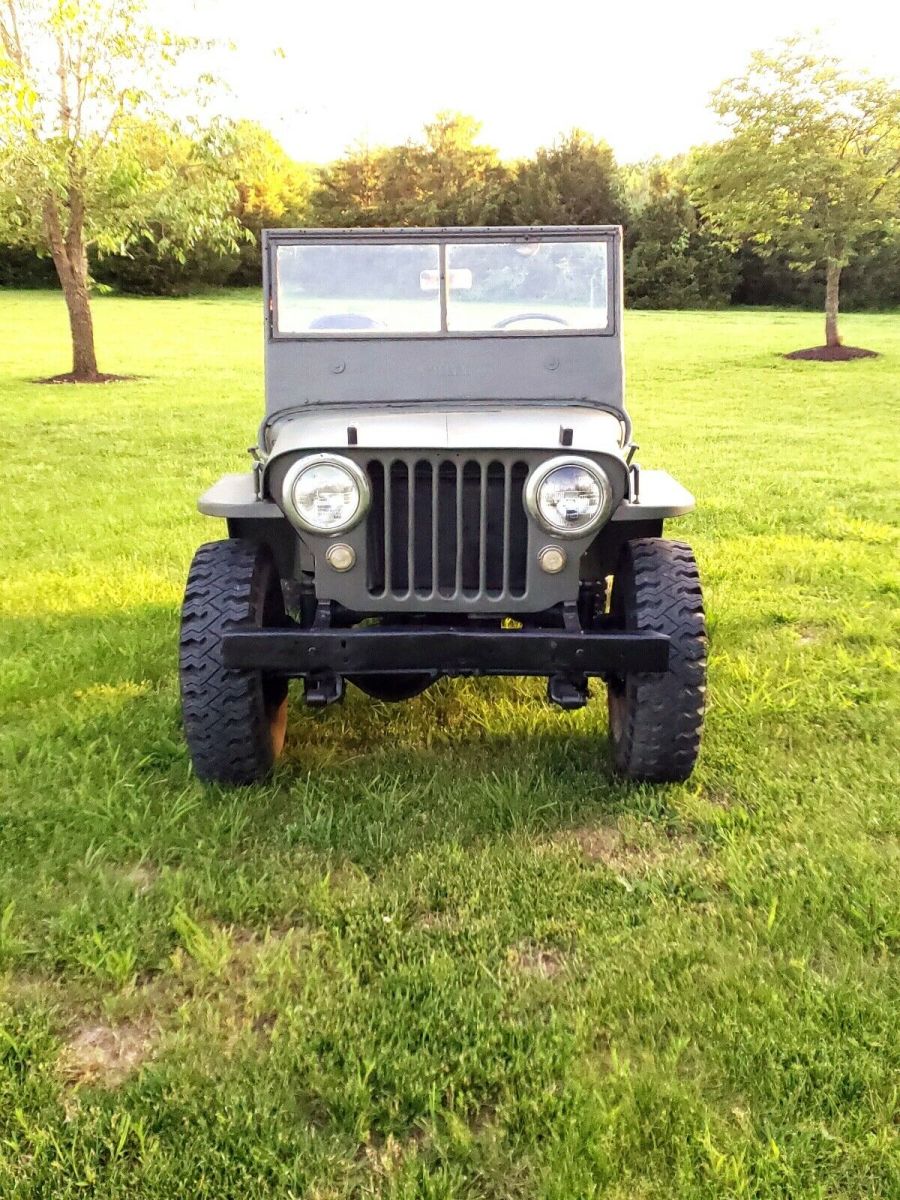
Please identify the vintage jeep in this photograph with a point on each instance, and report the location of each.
(444, 485)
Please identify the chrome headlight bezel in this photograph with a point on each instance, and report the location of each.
(539, 475)
(357, 475)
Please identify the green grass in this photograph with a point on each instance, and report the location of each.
(445, 953)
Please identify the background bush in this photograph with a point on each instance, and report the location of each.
(450, 177)
(25, 268)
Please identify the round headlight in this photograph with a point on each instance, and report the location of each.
(326, 495)
(570, 497)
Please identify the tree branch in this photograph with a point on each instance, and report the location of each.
(65, 113)
(888, 176)
(11, 38)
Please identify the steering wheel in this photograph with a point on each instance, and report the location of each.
(530, 316)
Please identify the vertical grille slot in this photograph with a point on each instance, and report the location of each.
(493, 489)
(448, 532)
(375, 531)
(470, 533)
(447, 529)
(398, 547)
(517, 539)
(422, 540)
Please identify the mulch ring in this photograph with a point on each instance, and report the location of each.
(831, 353)
(68, 377)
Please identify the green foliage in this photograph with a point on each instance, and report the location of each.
(447, 178)
(673, 258)
(147, 270)
(813, 162)
(174, 249)
(272, 191)
(264, 189)
(95, 134)
(22, 267)
(573, 182)
(350, 191)
(871, 281)
(444, 952)
(461, 180)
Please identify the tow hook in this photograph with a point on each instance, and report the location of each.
(568, 692)
(321, 690)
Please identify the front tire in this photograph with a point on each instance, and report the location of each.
(234, 720)
(656, 719)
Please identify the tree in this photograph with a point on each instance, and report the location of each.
(461, 178)
(349, 192)
(573, 182)
(812, 165)
(272, 191)
(448, 177)
(673, 258)
(174, 248)
(82, 83)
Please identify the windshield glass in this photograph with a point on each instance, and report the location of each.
(514, 286)
(527, 285)
(353, 287)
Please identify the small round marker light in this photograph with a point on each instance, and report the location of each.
(552, 559)
(340, 556)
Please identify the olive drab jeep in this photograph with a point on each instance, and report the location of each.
(444, 483)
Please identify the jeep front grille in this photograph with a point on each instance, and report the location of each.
(446, 528)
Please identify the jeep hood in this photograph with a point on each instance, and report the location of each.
(494, 425)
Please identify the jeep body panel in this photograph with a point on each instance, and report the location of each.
(437, 427)
(433, 369)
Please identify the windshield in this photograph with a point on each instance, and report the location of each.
(515, 286)
(354, 287)
(527, 285)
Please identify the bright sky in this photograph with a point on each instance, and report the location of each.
(321, 76)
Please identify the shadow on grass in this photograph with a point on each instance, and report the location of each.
(94, 728)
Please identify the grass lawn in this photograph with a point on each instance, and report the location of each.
(445, 953)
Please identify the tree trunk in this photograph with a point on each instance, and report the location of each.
(832, 293)
(78, 302)
(70, 260)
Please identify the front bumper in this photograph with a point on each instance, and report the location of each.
(375, 651)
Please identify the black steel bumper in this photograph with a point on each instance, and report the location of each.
(365, 651)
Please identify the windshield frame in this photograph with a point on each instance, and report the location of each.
(443, 237)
